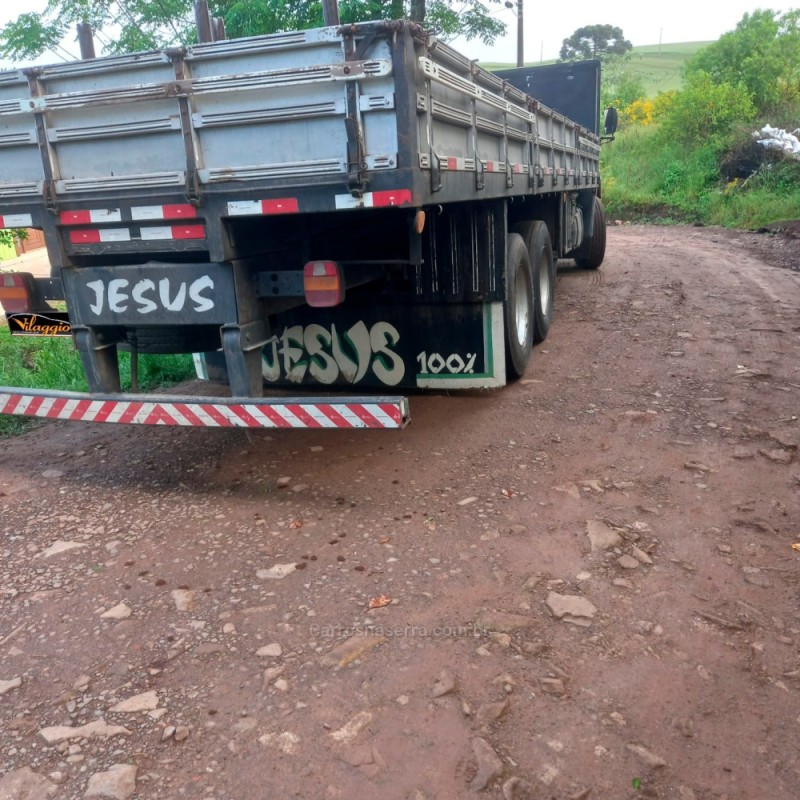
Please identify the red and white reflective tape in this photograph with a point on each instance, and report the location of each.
(100, 235)
(397, 197)
(214, 412)
(459, 164)
(16, 221)
(246, 208)
(88, 216)
(177, 211)
(456, 163)
(103, 235)
(98, 215)
(173, 232)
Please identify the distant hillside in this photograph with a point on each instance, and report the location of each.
(659, 65)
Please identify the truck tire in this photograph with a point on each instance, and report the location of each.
(543, 271)
(591, 254)
(518, 306)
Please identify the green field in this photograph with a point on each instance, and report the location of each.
(658, 65)
(53, 363)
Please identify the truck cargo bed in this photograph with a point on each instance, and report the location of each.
(153, 152)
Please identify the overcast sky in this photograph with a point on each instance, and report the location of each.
(548, 23)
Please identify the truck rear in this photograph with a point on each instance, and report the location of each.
(356, 207)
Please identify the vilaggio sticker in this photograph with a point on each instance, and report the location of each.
(54, 323)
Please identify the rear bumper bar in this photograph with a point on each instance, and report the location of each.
(210, 412)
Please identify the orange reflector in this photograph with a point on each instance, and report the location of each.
(15, 296)
(323, 283)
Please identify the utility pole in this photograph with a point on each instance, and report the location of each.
(330, 12)
(520, 31)
(86, 40)
(202, 20)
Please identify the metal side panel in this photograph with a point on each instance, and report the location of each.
(286, 109)
(21, 170)
(346, 413)
(288, 121)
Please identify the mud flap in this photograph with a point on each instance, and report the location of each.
(436, 346)
(439, 375)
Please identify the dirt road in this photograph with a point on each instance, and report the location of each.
(590, 581)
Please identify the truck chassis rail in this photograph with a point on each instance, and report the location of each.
(210, 412)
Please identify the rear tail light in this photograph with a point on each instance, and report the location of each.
(323, 283)
(18, 292)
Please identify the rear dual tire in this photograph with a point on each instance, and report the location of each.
(530, 290)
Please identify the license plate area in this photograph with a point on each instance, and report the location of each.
(151, 294)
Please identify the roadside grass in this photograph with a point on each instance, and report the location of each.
(53, 363)
(646, 179)
(641, 175)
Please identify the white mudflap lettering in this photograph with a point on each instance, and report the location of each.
(328, 355)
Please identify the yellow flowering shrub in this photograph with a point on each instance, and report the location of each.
(639, 112)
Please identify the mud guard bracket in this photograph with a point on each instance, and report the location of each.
(242, 345)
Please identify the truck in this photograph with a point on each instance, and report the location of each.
(343, 215)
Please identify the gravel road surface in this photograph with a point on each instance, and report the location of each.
(582, 586)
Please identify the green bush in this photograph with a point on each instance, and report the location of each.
(761, 56)
(705, 111)
(731, 182)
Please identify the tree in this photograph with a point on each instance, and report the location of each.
(595, 41)
(132, 25)
(705, 111)
(621, 87)
(761, 55)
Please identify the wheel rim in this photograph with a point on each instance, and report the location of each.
(522, 308)
(544, 282)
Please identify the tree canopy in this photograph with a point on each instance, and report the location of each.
(595, 41)
(761, 56)
(133, 25)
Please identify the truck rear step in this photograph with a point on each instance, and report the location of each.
(211, 412)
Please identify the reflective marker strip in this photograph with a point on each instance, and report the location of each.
(400, 197)
(182, 211)
(173, 232)
(16, 221)
(165, 232)
(283, 205)
(100, 235)
(188, 232)
(93, 215)
(98, 215)
(388, 413)
(97, 236)
(458, 164)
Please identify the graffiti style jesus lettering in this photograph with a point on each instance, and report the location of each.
(328, 356)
